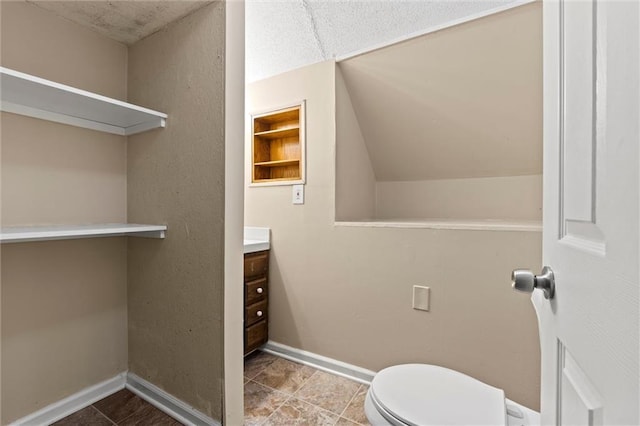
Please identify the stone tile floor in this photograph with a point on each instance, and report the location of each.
(280, 392)
(277, 392)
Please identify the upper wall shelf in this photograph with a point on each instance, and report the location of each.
(39, 98)
(279, 133)
(69, 232)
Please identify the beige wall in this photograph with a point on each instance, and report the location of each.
(53, 173)
(64, 306)
(498, 198)
(356, 182)
(346, 292)
(176, 176)
(64, 320)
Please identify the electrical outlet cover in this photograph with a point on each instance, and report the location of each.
(421, 298)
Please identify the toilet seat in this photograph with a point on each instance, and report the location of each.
(423, 395)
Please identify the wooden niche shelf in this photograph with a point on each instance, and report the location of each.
(278, 148)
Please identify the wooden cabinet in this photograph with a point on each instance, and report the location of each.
(256, 300)
(278, 147)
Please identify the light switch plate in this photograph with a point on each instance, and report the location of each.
(298, 194)
(421, 298)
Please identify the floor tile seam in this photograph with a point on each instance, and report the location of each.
(294, 396)
(286, 394)
(305, 382)
(263, 367)
(349, 403)
(254, 376)
(317, 406)
(258, 373)
(306, 402)
(134, 412)
(333, 376)
(103, 414)
(347, 419)
(353, 421)
(345, 407)
(314, 405)
(289, 396)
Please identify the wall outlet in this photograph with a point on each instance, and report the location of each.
(421, 298)
(298, 194)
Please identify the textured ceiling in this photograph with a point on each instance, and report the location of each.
(464, 102)
(124, 21)
(285, 34)
(281, 34)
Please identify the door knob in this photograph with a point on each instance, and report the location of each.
(524, 280)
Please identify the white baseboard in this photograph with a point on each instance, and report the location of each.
(162, 400)
(61, 409)
(320, 362)
(152, 394)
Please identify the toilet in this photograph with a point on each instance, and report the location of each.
(428, 395)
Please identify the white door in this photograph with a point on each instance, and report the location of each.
(589, 330)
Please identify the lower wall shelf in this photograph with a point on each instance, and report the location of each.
(69, 232)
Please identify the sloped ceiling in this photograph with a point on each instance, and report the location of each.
(463, 102)
(285, 34)
(125, 21)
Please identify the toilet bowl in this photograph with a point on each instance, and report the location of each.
(428, 395)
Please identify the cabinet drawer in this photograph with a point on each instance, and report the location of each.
(256, 264)
(255, 313)
(255, 291)
(255, 336)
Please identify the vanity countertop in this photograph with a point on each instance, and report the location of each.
(252, 246)
(256, 239)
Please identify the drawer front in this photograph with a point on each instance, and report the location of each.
(255, 313)
(255, 336)
(256, 264)
(255, 291)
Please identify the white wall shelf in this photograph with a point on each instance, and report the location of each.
(69, 232)
(39, 98)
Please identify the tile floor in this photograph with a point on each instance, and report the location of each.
(280, 392)
(277, 392)
(123, 408)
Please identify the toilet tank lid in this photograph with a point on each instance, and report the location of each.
(424, 395)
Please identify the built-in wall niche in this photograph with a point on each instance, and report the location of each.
(444, 130)
(278, 147)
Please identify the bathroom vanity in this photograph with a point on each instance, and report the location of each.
(256, 297)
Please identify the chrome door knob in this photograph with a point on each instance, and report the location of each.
(525, 281)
